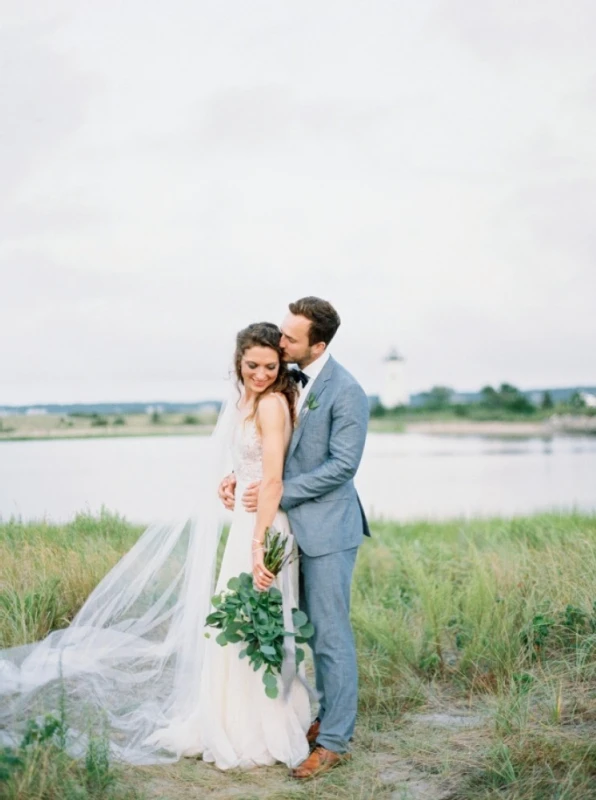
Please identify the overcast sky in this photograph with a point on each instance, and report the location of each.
(170, 172)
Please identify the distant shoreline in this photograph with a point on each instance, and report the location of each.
(561, 426)
(496, 428)
(506, 429)
(56, 435)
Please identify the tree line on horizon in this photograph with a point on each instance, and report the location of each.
(505, 400)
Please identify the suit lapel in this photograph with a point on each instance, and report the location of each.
(319, 387)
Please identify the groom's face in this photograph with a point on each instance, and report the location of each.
(295, 342)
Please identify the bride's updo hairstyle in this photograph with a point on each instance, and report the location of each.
(266, 334)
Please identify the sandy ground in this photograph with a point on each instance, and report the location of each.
(398, 764)
(423, 756)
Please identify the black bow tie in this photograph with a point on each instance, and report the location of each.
(299, 376)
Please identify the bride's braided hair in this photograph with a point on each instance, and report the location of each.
(266, 334)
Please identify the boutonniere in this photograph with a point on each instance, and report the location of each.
(311, 402)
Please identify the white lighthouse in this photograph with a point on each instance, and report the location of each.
(394, 389)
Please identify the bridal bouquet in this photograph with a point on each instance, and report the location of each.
(254, 618)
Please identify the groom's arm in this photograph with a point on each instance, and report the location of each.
(346, 443)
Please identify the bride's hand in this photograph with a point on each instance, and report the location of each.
(261, 576)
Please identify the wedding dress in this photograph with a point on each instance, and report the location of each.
(135, 665)
(246, 728)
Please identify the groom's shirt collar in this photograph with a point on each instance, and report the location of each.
(312, 372)
(315, 368)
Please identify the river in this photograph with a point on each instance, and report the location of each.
(402, 476)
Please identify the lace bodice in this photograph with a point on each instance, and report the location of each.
(247, 447)
(247, 451)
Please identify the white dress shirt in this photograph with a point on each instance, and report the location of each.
(312, 372)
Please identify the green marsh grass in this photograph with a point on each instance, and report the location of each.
(47, 571)
(39, 768)
(487, 621)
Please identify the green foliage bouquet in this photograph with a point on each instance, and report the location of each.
(245, 615)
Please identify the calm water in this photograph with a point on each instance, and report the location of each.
(402, 476)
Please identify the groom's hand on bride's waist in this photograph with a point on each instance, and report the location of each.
(250, 497)
(226, 491)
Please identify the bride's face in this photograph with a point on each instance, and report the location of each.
(259, 368)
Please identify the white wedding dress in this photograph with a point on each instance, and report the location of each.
(134, 664)
(241, 726)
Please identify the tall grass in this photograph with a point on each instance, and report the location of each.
(477, 603)
(498, 617)
(39, 768)
(47, 571)
(494, 617)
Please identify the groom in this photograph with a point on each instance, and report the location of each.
(326, 517)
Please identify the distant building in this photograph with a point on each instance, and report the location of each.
(33, 412)
(394, 391)
(589, 399)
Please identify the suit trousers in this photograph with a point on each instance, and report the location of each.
(325, 583)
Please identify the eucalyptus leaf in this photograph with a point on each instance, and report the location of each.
(271, 691)
(269, 679)
(299, 618)
(307, 630)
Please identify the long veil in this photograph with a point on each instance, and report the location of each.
(130, 662)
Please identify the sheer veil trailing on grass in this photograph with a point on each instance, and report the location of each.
(128, 666)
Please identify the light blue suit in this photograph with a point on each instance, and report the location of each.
(328, 522)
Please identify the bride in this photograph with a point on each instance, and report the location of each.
(135, 663)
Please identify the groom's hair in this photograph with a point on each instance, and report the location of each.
(323, 317)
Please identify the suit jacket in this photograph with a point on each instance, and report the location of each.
(319, 496)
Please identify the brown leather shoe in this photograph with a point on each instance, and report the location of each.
(319, 761)
(313, 732)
